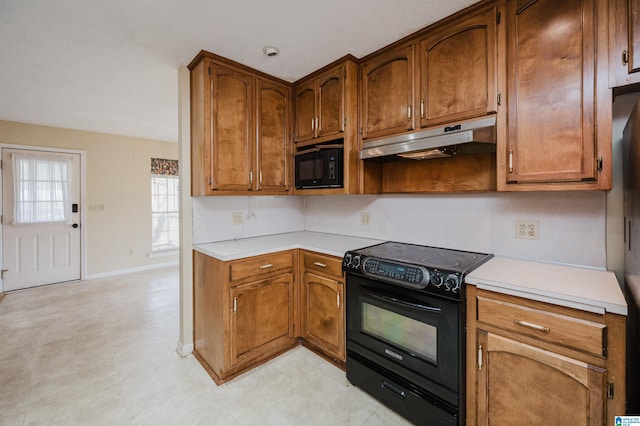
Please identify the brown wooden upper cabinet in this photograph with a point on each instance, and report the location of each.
(387, 93)
(239, 130)
(320, 106)
(624, 42)
(458, 69)
(272, 151)
(557, 115)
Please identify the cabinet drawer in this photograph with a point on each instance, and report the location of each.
(576, 333)
(323, 263)
(259, 266)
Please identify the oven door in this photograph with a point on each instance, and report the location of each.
(405, 331)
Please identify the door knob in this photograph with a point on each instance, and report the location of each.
(75, 225)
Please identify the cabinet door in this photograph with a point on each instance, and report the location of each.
(624, 48)
(261, 317)
(521, 384)
(273, 136)
(305, 111)
(387, 93)
(458, 71)
(232, 124)
(330, 87)
(323, 314)
(551, 71)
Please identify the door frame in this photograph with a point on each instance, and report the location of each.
(83, 198)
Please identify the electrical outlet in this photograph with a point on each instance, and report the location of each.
(528, 229)
(365, 218)
(237, 218)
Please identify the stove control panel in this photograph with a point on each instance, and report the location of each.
(418, 277)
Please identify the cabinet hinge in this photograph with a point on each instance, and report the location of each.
(345, 74)
(344, 122)
(498, 16)
(210, 71)
(609, 390)
(499, 98)
(1, 164)
(599, 164)
(625, 57)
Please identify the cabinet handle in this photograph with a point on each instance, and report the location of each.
(625, 57)
(534, 326)
(510, 161)
(317, 124)
(338, 299)
(260, 177)
(480, 357)
(267, 265)
(321, 265)
(422, 108)
(251, 176)
(408, 112)
(235, 304)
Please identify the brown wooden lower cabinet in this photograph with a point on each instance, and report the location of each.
(244, 311)
(248, 311)
(322, 305)
(536, 363)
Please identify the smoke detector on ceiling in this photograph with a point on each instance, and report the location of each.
(271, 51)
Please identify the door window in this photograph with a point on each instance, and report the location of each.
(41, 189)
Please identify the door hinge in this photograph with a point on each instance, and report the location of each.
(599, 164)
(498, 17)
(609, 390)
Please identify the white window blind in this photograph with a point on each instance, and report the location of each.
(165, 213)
(41, 189)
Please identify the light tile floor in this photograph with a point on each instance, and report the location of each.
(102, 352)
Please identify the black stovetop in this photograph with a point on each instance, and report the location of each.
(431, 257)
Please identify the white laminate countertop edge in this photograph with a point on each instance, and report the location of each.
(587, 289)
(330, 244)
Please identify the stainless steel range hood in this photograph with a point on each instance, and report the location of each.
(465, 137)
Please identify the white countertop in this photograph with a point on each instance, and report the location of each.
(592, 290)
(331, 244)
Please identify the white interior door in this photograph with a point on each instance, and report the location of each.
(40, 240)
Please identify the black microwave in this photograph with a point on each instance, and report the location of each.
(319, 167)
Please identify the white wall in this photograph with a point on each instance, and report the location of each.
(572, 224)
(263, 215)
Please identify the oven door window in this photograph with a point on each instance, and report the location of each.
(413, 336)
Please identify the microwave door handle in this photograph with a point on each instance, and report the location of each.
(405, 303)
(307, 151)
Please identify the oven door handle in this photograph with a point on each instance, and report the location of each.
(405, 303)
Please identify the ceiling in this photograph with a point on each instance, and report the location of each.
(112, 65)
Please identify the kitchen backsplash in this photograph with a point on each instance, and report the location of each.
(572, 225)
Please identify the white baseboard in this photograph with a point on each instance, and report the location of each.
(184, 349)
(130, 270)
